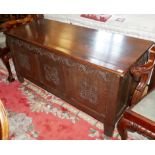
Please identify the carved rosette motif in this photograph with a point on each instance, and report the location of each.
(51, 74)
(88, 91)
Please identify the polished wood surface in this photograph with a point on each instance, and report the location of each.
(152, 82)
(87, 68)
(111, 51)
(131, 120)
(4, 125)
(144, 73)
(5, 51)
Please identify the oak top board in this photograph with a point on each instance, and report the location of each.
(109, 50)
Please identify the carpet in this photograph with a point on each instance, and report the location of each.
(97, 17)
(37, 114)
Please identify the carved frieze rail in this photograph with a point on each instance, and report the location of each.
(60, 59)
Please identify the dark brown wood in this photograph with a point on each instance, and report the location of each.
(143, 72)
(135, 122)
(5, 56)
(152, 83)
(5, 52)
(87, 68)
(137, 71)
(130, 119)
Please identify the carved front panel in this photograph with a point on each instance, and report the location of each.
(25, 62)
(51, 74)
(88, 87)
(82, 85)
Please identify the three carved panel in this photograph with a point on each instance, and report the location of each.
(82, 83)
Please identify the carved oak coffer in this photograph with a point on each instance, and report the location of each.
(89, 69)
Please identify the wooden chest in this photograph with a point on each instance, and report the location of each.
(89, 69)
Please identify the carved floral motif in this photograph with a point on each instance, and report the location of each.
(51, 74)
(88, 91)
(58, 58)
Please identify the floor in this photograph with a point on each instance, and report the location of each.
(138, 108)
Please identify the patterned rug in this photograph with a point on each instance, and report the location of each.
(37, 114)
(97, 17)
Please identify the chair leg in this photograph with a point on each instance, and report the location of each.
(124, 125)
(5, 60)
(122, 128)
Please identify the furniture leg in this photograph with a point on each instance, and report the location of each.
(106, 137)
(122, 128)
(5, 60)
(20, 78)
(108, 130)
(124, 125)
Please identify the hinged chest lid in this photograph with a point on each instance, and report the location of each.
(114, 52)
